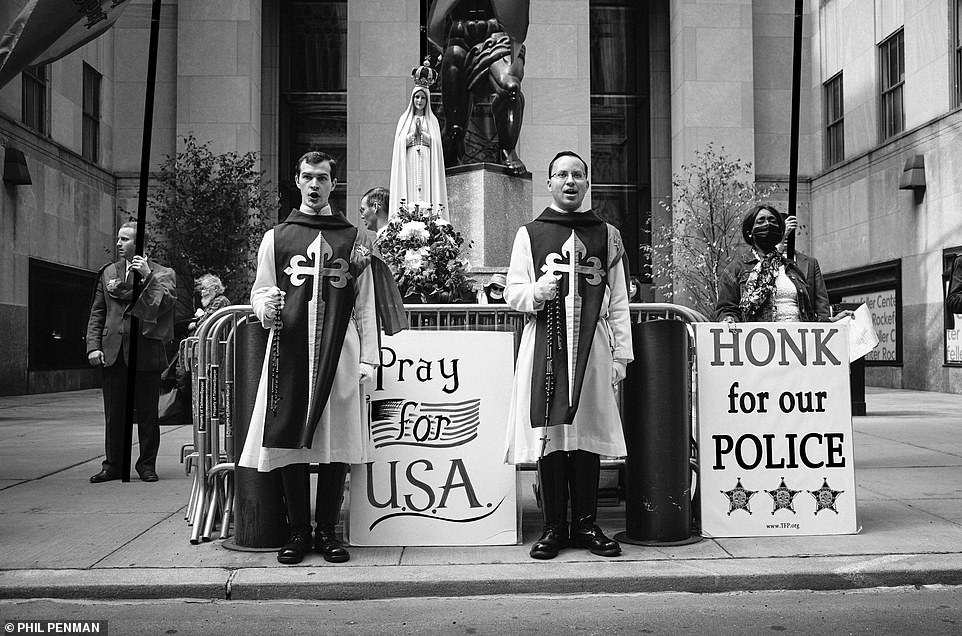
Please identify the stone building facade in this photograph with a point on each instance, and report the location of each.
(636, 87)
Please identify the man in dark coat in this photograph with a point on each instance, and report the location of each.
(108, 346)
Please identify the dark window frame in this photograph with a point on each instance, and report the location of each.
(621, 128)
(56, 339)
(310, 94)
(834, 120)
(35, 98)
(90, 124)
(892, 85)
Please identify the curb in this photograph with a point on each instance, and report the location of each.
(342, 583)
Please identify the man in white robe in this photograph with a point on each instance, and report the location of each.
(314, 290)
(567, 273)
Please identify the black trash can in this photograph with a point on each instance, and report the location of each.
(657, 421)
(260, 516)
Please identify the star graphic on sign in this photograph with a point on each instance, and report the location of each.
(783, 496)
(738, 498)
(825, 497)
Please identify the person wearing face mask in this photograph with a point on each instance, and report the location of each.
(762, 285)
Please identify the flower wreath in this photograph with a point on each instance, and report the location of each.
(425, 253)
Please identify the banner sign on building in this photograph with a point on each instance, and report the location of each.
(438, 419)
(775, 429)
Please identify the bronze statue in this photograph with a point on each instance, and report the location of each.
(483, 55)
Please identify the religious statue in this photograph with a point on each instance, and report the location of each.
(483, 56)
(417, 164)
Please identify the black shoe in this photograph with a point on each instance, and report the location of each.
(294, 550)
(592, 538)
(326, 543)
(149, 476)
(104, 475)
(552, 540)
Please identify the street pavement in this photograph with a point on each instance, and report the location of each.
(63, 537)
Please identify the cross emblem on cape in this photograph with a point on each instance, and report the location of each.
(572, 263)
(321, 265)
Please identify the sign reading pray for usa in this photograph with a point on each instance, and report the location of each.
(775, 429)
(438, 410)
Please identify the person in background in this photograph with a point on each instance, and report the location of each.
(493, 292)
(108, 346)
(763, 285)
(953, 297)
(212, 298)
(634, 290)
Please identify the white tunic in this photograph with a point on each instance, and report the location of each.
(342, 432)
(597, 424)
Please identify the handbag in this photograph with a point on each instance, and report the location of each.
(170, 408)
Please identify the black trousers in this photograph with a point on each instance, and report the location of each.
(146, 393)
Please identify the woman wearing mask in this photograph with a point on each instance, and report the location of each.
(762, 285)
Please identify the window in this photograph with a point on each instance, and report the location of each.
(55, 339)
(834, 121)
(620, 123)
(957, 42)
(33, 103)
(892, 72)
(91, 115)
(313, 91)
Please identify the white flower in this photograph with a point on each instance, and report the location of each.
(413, 259)
(413, 229)
(441, 222)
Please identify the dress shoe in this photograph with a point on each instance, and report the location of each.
(326, 543)
(149, 475)
(552, 540)
(592, 538)
(103, 476)
(294, 550)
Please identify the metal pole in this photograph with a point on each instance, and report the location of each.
(796, 94)
(139, 243)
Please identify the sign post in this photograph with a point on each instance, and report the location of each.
(775, 429)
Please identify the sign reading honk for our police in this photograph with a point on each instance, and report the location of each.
(775, 429)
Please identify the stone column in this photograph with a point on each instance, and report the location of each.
(712, 69)
(219, 73)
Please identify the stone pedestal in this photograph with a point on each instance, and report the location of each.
(487, 204)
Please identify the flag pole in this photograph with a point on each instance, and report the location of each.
(139, 243)
(793, 152)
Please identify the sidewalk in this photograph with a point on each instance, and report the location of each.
(62, 537)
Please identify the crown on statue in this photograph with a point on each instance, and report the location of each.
(424, 75)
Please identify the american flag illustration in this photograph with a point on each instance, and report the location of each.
(427, 424)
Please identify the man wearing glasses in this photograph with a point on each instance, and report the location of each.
(567, 274)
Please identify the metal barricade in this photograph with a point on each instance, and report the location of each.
(210, 356)
(211, 461)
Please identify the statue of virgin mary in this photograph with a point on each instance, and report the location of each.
(417, 162)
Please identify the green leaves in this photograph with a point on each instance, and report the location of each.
(709, 198)
(209, 214)
(424, 252)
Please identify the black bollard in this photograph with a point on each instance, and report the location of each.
(260, 516)
(657, 421)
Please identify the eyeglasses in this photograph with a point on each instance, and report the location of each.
(563, 175)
